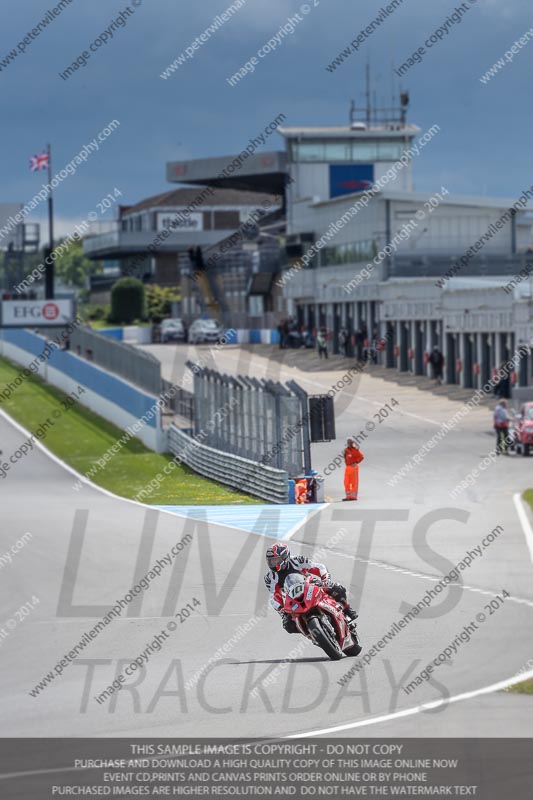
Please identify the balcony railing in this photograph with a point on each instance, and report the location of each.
(435, 266)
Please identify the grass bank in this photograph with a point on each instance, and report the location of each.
(80, 437)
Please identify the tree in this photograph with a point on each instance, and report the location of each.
(128, 301)
(73, 267)
(159, 301)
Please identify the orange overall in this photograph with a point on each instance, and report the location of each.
(352, 458)
(300, 491)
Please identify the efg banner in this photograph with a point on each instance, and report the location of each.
(350, 178)
(34, 313)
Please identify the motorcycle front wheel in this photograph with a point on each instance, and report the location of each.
(324, 638)
(356, 648)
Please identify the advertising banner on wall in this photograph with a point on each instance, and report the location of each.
(350, 178)
(34, 313)
(178, 222)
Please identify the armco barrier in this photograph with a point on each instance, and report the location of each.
(240, 473)
(107, 395)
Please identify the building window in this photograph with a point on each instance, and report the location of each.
(345, 151)
(226, 220)
(364, 250)
(256, 305)
(390, 151)
(308, 152)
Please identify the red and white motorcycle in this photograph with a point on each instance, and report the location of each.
(319, 617)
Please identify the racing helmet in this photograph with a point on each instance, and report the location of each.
(278, 556)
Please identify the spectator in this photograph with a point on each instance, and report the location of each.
(282, 330)
(343, 342)
(501, 427)
(502, 388)
(359, 341)
(285, 331)
(322, 344)
(436, 360)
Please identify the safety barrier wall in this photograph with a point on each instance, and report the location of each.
(123, 359)
(254, 336)
(107, 395)
(139, 334)
(143, 335)
(240, 473)
(112, 333)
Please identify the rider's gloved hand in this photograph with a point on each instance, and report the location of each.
(328, 583)
(316, 580)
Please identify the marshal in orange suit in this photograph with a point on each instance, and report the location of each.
(352, 458)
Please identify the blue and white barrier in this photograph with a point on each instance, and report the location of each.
(254, 336)
(108, 395)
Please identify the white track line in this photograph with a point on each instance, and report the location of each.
(432, 578)
(524, 521)
(98, 488)
(10, 775)
(408, 712)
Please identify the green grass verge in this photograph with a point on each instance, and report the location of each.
(525, 687)
(528, 497)
(98, 324)
(81, 437)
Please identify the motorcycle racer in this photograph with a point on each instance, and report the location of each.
(280, 564)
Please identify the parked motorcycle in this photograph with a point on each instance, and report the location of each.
(319, 617)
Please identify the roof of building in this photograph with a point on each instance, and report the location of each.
(478, 201)
(263, 171)
(185, 196)
(342, 131)
(458, 199)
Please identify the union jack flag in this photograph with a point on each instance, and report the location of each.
(39, 162)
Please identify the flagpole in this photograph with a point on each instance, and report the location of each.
(49, 268)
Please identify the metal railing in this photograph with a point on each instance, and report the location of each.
(122, 359)
(435, 266)
(178, 401)
(260, 420)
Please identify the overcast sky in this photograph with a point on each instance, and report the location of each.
(484, 146)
